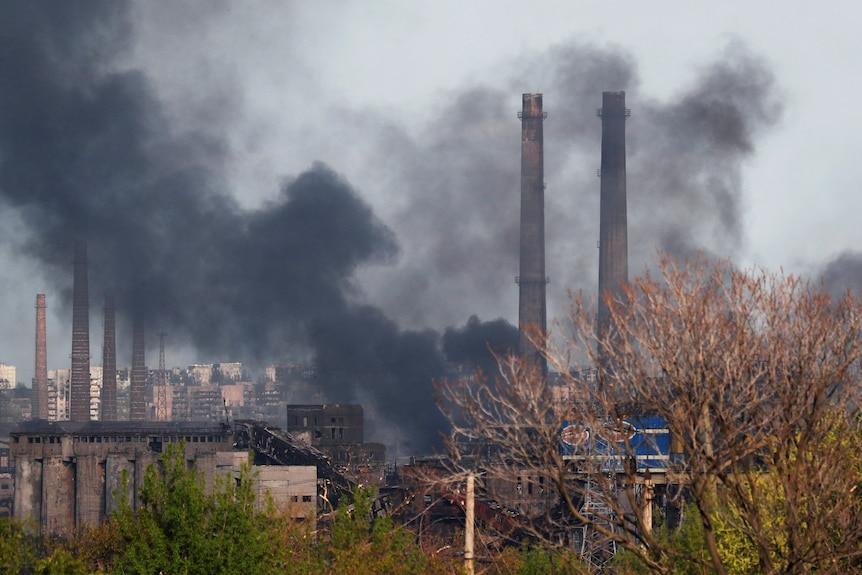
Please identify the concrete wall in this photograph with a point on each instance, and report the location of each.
(58, 496)
(90, 490)
(117, 468)
(27, 505)
(67, 473)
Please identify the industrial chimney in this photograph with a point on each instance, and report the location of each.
(137, 387)
(161, 395)
(109, 363)
(613, 235)
(80, 384)
(532, 312)
(39, 395)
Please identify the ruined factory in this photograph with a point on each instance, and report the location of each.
(94, 431)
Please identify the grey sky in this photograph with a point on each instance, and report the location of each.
(374, 89)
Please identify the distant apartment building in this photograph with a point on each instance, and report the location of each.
(7, 376)
(95, 393)
(229, 371)
(59, 388)
(203, 402)
(202, 374)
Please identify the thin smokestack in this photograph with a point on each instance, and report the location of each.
(109, 363)
(161, 397)
(613, 234)
(137, 391)
(80, 384)
(532, 307)
(39, 397)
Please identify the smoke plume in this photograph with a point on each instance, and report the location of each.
(842, 273)
(88, 151)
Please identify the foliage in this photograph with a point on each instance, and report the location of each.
(60, 562)
(181, 527)
(17, 550)
(755, 375)
(362, 544)
(687, 541)
(532, 560)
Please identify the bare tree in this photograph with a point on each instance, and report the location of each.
(737, 391)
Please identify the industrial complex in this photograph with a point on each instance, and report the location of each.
(86, 435)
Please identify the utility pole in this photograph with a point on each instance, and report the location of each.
(469, 525)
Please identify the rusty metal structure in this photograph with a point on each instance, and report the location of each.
(613, 234)
(138, 383)
(80, 380)
(39, 397)
(532, 282)
(162, 390)
(109, 363)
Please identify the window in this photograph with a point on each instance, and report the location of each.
(306, 498)
(520, 487)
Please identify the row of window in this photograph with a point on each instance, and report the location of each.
(519, 486)
(125, 439)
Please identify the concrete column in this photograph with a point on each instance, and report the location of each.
(58, 496)
(27, 505)
(115, 466)
(89, 491)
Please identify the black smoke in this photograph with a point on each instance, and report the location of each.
(842, 273)
(478, 344)
(90, 156)
(87, 151)
(459, 222)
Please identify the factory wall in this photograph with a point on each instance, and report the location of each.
(67, 473)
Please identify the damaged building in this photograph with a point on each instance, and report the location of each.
(68, 474)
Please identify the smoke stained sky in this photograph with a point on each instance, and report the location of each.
(184, 139)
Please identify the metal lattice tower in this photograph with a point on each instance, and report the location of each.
(109, 363)
(39, 397)
(138, 384)
(80, 381)
(532, 282)
(162, 393)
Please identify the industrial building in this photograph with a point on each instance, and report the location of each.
(69, 474)
(338, 430)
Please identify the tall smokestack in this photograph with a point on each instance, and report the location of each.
(532, 308)
(80, 384)
(109, 363)
(39, 395)
(137, 388)
(613, 234)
